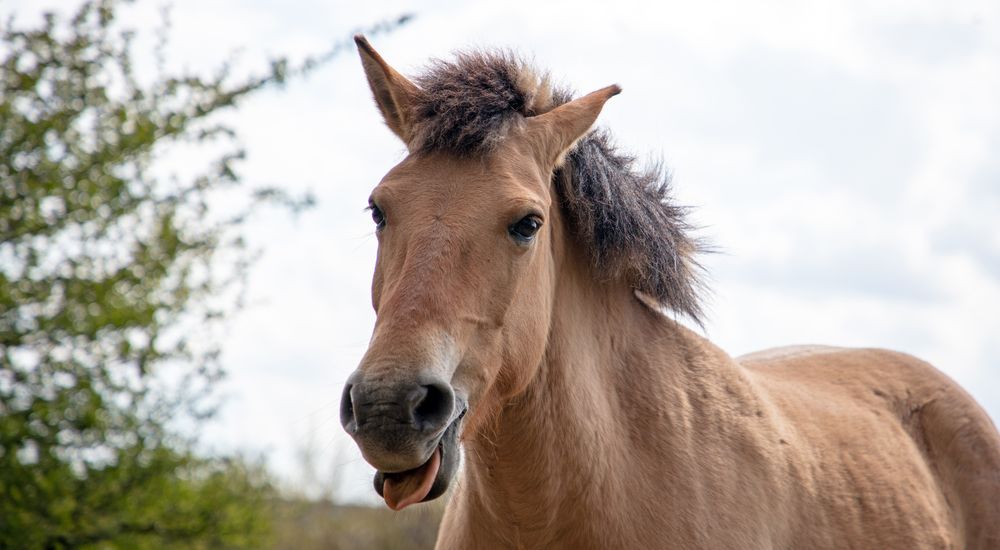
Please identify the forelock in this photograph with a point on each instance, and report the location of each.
(469, 104)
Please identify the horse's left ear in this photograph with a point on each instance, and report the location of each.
(554, 133)
(394, 93)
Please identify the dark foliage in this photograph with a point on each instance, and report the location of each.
(113, 280)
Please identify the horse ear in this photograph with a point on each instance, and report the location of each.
(555, 132)
(394, 93)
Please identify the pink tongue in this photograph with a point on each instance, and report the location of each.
(410, 487)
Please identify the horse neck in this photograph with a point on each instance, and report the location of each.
(619, 381)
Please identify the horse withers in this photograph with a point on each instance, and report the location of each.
(523, 268)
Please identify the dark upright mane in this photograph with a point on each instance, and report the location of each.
(622, 213)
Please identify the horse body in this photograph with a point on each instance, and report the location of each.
(893, 451)
(521, 283)
(638, 433)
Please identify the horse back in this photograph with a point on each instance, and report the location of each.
(922, 456)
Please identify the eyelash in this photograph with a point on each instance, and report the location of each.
(378, 216)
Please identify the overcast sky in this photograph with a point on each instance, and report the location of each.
(843, 157)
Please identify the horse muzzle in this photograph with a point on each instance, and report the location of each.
(408, 432)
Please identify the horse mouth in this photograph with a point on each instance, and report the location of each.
(427, 481)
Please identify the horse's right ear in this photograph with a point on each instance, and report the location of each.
(394, 93)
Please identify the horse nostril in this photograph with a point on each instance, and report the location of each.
(432, 405)
(347, 418)
(367, 408)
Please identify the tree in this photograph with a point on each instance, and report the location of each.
(112, 277)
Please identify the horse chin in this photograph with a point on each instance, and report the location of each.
(448, 447)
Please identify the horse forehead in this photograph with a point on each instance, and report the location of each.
(441, 182)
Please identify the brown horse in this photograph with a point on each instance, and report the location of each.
(523, 271)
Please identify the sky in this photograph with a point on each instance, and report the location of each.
(841, 156)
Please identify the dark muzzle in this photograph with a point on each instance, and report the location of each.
(396, 425)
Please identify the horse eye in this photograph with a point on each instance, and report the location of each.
(524, 230)
(377, 216)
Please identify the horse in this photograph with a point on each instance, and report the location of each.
(527, 288)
